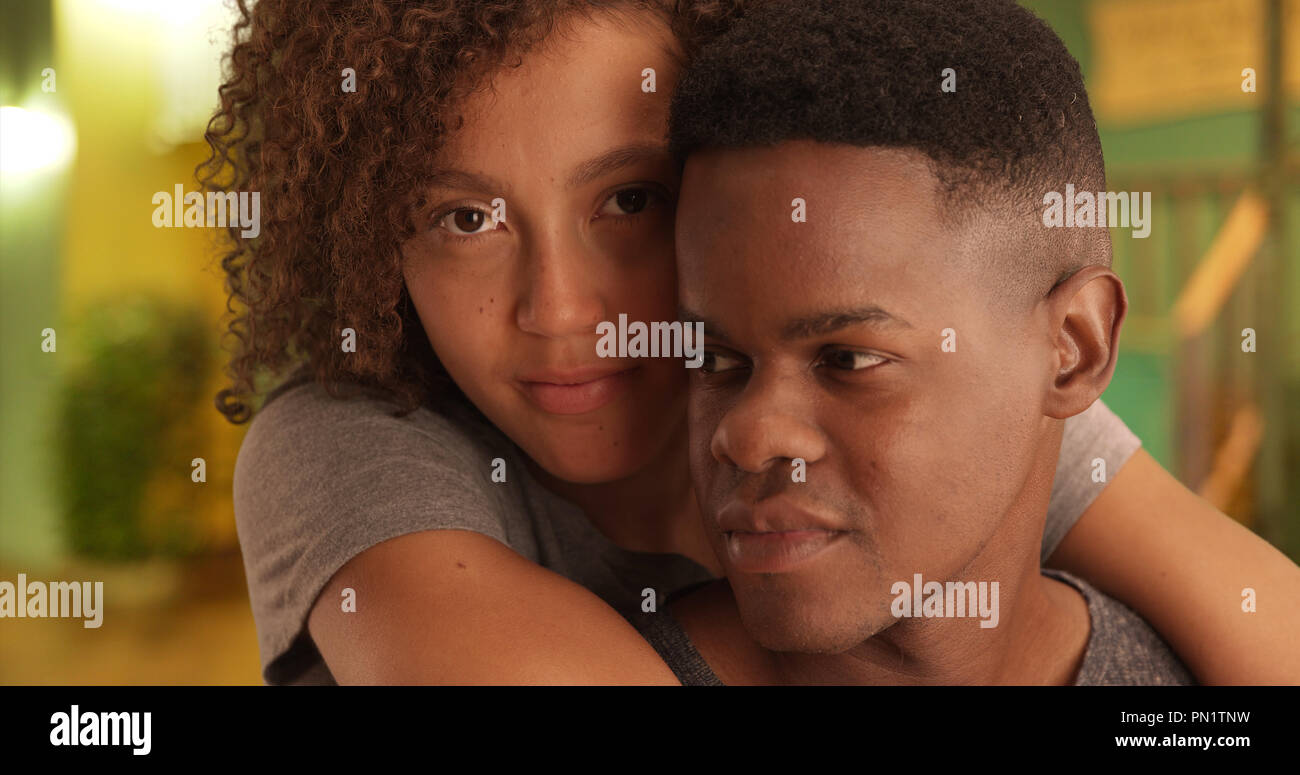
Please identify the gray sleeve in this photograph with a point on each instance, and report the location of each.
(1122, 648)
(318, 480)
(1095, 433)
(674, 646)
(1128, 652)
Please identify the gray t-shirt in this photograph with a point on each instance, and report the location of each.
(319, 480)
(1122, 649)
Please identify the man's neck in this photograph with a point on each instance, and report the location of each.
(1040, 639)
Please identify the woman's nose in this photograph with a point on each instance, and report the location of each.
(562, 296)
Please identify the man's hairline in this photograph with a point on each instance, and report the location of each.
(990, 201)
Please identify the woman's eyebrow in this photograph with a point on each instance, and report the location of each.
(449, 178)
(614, 159)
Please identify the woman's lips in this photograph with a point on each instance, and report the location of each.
(777, 551)
(576, 394)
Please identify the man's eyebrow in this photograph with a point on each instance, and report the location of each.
(828, 322)
(611, 160)
(710, 328)
(812, 325)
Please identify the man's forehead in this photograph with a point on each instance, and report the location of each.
(830, 167)
(802, 229)
(814, 203)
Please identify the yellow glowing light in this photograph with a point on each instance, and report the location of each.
(33, 140)
(170, 11)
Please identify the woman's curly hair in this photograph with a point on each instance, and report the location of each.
(340, 173)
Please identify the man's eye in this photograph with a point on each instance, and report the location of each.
(851, 360)
(467, 220)
(629, 201)
(715, 362)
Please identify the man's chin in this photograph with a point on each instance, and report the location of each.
(807, 626)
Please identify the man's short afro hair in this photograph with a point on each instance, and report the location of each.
(869, 72)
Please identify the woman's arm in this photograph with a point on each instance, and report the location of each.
(1182, 564)
(456, 607)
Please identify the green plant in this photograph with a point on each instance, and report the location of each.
(139, 369)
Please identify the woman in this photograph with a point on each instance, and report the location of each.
(495, 186)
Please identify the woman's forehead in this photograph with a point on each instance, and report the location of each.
(583, 91)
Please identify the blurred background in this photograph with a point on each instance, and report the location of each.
(104, 104)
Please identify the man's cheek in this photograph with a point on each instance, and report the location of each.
(704, 412)
(703, 466)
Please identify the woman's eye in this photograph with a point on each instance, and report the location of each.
(852, 360)
(629, 201)
(467, 220)
(714, 362)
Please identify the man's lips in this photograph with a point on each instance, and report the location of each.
(575, 390)
(779, 513)
(776, 535)
(776, 552)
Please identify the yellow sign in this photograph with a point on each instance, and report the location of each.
(1160, 59)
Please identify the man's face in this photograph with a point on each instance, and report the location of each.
(825, 342)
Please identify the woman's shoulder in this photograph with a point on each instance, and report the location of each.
(306, 417)
(313, 462)
(320, 479)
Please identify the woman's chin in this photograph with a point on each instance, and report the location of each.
(592, 466)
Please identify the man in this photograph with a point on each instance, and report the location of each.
(893, 341)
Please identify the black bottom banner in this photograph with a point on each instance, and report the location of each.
(139, 725)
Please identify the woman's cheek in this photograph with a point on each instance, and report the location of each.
(465, 321)
(648, 287)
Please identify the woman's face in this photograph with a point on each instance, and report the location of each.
(576, 149)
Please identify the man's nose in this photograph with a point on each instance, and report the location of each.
(773, 422)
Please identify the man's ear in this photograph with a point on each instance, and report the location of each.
(1085, 311)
